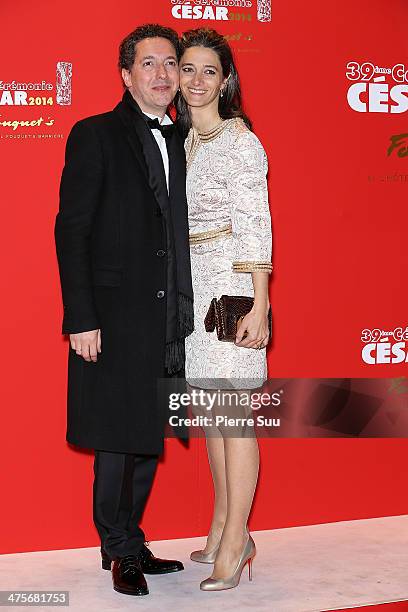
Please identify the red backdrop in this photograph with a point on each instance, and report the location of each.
(338, 205)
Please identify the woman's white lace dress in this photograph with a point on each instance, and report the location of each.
(226, 186)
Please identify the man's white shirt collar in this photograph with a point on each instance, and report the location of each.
(165, 121)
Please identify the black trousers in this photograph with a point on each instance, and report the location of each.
(121, 487)
(122, 483)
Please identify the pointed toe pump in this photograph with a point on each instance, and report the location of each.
(201, 557)
(247, 556)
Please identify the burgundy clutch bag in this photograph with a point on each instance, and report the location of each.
(225, 314)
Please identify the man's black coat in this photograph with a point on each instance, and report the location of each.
(110, 236)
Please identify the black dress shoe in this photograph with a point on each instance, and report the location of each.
(153, 565)
(148, 562)
(127, 576)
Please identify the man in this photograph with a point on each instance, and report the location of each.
(122, 246)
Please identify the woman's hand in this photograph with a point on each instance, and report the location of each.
(255, 324)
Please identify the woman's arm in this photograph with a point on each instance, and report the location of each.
(255, 323)
(252, 235)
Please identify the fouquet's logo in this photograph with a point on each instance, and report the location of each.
(399, 145)
(377, 89)
(384, 346)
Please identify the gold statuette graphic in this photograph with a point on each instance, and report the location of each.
(264, 10)
(64, 83)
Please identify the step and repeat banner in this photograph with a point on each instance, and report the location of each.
(326, 87)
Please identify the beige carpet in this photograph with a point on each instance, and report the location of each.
(301, 569)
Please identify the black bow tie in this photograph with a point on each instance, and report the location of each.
(166, 130)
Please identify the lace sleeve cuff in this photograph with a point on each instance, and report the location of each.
(252, 266)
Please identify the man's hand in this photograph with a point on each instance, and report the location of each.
(87, 344)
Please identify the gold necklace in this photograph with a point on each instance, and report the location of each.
(210, 134)
(198, 137)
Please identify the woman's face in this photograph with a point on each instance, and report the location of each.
(200, 76)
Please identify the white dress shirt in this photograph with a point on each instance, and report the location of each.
(161, 141)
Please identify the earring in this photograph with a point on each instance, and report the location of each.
(221, 93)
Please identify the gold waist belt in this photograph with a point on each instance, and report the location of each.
(216, 233)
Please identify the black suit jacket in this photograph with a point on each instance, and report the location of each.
(111, 243)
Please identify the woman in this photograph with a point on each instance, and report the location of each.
(230, 242)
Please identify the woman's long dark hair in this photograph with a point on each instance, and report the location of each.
(229, 105)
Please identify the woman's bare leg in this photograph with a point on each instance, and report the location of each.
(241, 472)
(216, 458)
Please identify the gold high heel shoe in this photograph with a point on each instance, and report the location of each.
(202, 557)
(215, 584)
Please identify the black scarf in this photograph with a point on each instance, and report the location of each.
(180, 290)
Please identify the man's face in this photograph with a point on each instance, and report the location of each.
(154, 77)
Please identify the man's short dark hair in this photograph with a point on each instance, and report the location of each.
(127, 48)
